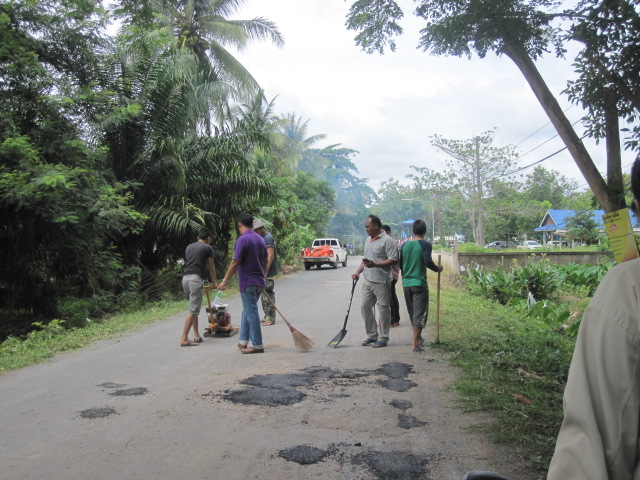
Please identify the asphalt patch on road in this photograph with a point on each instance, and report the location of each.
(305, 454)
(395, 370)
(265, 396)
(285, 389)
(97, 412)
(130, 392)
(111, 385)
(401, 404)
(409, 421)
(393, 465)
(388, 465)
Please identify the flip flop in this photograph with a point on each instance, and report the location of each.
(199, 340)
(189, 344)
(379, 344)
(268, 324)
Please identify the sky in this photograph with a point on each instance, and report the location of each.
(387, 106)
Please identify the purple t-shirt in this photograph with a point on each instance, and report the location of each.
(251, 253)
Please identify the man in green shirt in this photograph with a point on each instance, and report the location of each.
(415, 258)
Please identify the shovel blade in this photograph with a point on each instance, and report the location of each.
(338, 338)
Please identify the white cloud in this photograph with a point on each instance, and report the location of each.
(387, 106)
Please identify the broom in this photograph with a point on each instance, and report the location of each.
(301, 341)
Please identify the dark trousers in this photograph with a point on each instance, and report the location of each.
(394, 304)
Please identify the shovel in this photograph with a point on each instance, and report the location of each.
(338, 338)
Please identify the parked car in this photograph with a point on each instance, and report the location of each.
(496, 245)
(530, 244)
(558, 243)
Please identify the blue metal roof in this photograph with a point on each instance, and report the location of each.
(560, 218)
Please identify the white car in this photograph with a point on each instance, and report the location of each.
(530, 244)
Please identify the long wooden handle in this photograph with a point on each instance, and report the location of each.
(437, 339)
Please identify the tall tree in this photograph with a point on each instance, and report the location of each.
(520, 30)
(549, 185)
(473, 163)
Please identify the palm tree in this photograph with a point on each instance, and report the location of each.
(183, 179)
(297, 143)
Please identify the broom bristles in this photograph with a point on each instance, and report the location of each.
(300, 340)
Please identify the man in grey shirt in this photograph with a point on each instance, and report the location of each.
(197, 257)
(380, 253)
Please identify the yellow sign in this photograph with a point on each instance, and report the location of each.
(620, 232)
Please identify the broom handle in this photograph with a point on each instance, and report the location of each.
(437, 339)
(211, 319)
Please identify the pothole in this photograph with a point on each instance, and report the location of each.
(393, 465)
(97, 412)
(397, 384)
(409, 421)
(267, 396)
(401, 404)
(129, 392)
(305, 454)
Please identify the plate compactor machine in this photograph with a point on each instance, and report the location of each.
(219, 318)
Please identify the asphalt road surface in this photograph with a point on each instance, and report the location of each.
(141, 407)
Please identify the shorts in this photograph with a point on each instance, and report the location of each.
(417, 300)
(192, 286)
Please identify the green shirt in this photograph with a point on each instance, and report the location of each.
(414, 263)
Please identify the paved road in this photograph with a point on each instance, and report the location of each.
(173, 413)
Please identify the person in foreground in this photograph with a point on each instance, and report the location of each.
(380, 253)
(415, 258)
(196, 258)
(250, 261)
(599, 437)
(268, 296)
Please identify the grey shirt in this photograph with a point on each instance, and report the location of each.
(379, 249)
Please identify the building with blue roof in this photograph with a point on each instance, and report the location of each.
(554, 223)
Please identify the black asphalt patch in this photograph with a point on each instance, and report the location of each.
(401, 404)
(284, 389)
(409, 421)
(129, 392)
(397, 384)
(395, 370)
(97, 412)
(305, 454)
(393, 465)
(111, 385)
(280, 380)
(266, 396)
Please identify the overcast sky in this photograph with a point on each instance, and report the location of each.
(387, 106)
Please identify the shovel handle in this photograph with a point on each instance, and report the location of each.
(437, 338)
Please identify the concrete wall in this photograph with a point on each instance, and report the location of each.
(454, 261)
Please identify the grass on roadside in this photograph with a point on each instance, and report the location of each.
(54, 338)
(512, 367)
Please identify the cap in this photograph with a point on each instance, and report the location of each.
(257, 223)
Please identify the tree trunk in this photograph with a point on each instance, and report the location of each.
(614, 156)
(601, 191)
(479, 238)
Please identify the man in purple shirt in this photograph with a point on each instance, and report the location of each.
(250, 261)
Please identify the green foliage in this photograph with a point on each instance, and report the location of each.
(470, 247)
(582, 279)
(541, 280)
(513, 367)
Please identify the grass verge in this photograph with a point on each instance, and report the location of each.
(54, 338)
(511, 367)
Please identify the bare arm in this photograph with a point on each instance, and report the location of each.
(233, 266)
